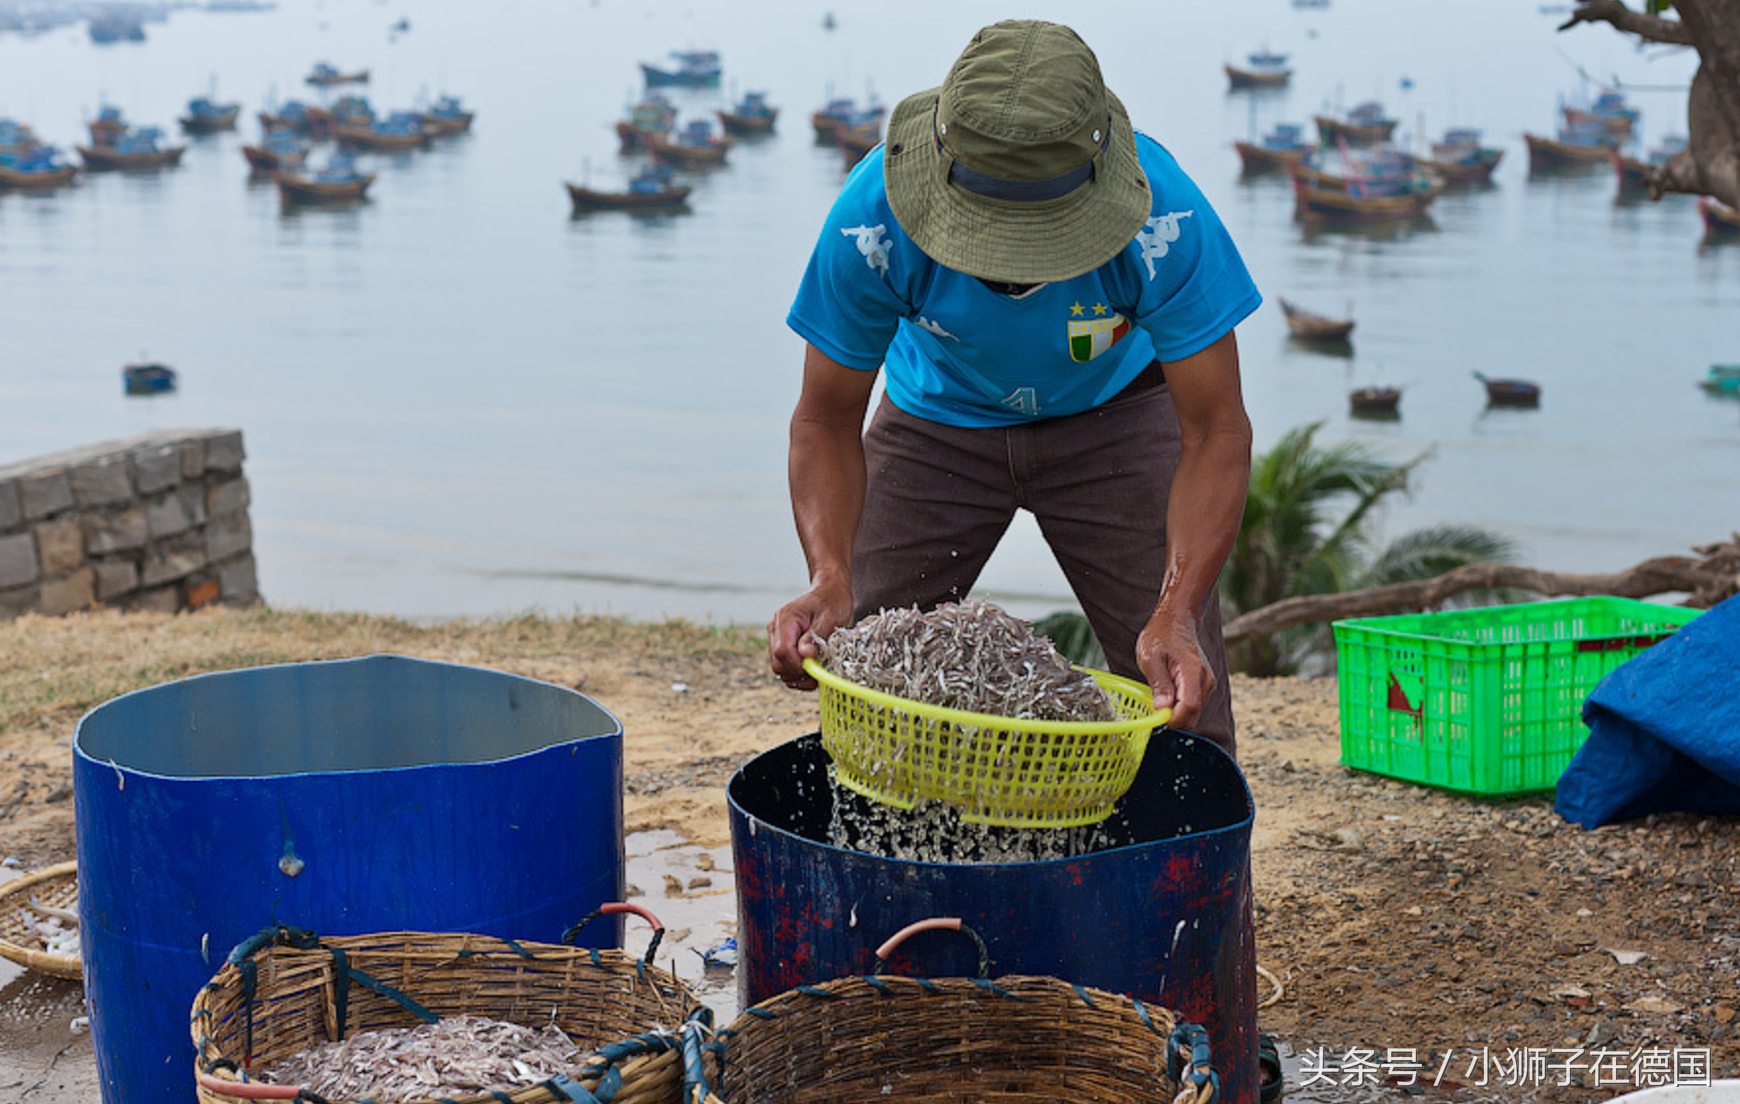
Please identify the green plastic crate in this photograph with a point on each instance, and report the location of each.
(1485, 701)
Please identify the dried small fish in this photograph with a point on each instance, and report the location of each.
(969, 655)
(456, 1056)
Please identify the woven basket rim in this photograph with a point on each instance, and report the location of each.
(361, 949)
(15, 894)
(942, 713)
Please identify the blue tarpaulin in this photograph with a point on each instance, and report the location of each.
(1664, 730)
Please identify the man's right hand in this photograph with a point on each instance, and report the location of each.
(796, 631)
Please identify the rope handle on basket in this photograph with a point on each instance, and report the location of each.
(1188, 1061)
(613, 908)
(935, 923)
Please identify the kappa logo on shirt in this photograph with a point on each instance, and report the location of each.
(1099, 330)
(873, 243)
(1158, 234)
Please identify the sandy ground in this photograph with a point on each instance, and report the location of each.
(1436, 937)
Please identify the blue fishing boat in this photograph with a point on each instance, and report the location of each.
(1579, 147)
(400, 130)
(1720, 220)
(1633, 171)
(147, 378)
(325, 75)
(277, 149)
(653, 188)
(1460, 157)
(750, 116)
(1282, 146)
(695, 69)
(1610, 111)
(136, 148)
(116, 27)
(1263, 69)
(1722, 379)
(1364, 125)
(34, 168)
(339, 180)
(205, 116)
(15, 135)
(694, 145)
(842, 113)
(654, 114)
(447, 115)
(106, 129)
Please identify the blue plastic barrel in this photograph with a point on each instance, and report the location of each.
(1162, 912)
(353, 796)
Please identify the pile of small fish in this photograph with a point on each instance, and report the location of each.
(57, 929)
(969, 655)
(456, 1056)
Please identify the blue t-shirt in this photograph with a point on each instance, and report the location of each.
(959, 353)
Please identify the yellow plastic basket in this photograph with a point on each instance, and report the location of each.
(1003, 771)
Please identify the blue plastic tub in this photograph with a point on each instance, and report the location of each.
(352, 796)
(1163, 913)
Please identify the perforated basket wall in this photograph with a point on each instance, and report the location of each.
(1485, 701)
(993, 770)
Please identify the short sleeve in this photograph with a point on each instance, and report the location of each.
(848, 305)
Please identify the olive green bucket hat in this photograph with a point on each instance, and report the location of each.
(1022, 166)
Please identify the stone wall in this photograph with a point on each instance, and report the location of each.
(157, 522)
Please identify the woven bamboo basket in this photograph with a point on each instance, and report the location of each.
(56, 886)
(1013, 1040)
(285, 991)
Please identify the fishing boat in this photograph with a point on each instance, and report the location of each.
(1460, 157)
(1374, 184)
(1305, 325)
(692, 146)
(750, 116)
(655, 114)
(1510, 392)
(1375, 402)
(16, 136)
(1578, 148)
(324, 75)
(293, 115)
(1610, 111)
(1720, 220)
(338, 181)
(1722, 379)
(116, 27)
(842, 112)
(1263, 69)
(204, 116)
(695, 69)
(447, 115)
(402, 130)
(653, 189)
(106, 129)
(856, 141)
(1283, 145)
(147, 378)
(139, 148)
(1632, 173)
(35, 168)
(351, 109)
(277, 149)
(1364, 125)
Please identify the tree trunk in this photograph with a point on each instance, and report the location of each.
(1710, 163)
(1711, 579)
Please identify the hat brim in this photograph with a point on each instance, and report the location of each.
(1009, 240)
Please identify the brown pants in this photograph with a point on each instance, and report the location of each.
(940, 498)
